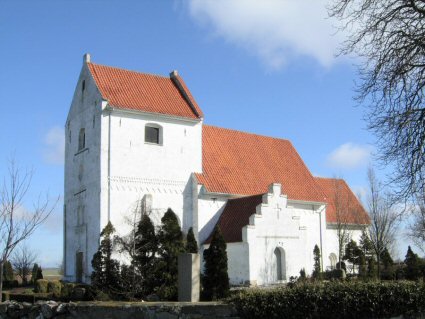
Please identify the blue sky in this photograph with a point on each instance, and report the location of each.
(268, 69)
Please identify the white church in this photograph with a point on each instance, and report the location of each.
(137, 141)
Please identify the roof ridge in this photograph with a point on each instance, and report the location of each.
(248, 133)
(331, 178)
(131, 71)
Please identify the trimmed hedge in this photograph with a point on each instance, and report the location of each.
(67, 290)
(54, 287)
(332, 300)
(41, 285)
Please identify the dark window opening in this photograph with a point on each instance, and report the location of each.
(152, 134)
(84, 85)
(82, 139)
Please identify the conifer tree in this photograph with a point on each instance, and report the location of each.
(371, 268)
(366, 245)
(191, 244)
(387, 272)
(216, 279)
(386, 259)
(39, 274)
(34, 273)
(317, 269)
(146, 244)
(106, 271)
(362, 267)
(367, 262)
(352, 253)
(413, 265)
(8, 271)
(170, 238)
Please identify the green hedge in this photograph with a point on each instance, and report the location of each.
(41, 285)
(67, 290)
(54, 287)
(332, 300)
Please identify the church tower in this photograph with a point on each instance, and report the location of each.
(133, 141)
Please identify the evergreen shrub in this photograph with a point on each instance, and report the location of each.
(67, 290)
(332, 300)
(215, 281)
(171, 245)
(10, 284)
(41, 285)
(54, 287)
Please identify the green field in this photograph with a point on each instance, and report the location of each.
(52, 274)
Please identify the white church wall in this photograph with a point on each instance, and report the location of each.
(209, 211)
(331, 238)
(237, 267)
(289, 227)
(138, 168)
(82, 177)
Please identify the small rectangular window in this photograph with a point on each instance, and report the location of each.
(152, 135)
(82, 139)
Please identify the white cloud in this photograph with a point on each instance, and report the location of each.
(54, 146)
(274, 30)
(349, 156)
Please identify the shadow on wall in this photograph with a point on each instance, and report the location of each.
(209, 226)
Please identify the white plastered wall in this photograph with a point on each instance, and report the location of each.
(82, 176)
(354, 231)
(293, 227)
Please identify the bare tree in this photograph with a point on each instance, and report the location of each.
(16, 223)
(22, 260)
(342, 205)
(384, 217)
(348, 213)
(389, 37)
(416, 229)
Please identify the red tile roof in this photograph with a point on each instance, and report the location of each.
(241, 163)
(144, 92)
(343, 205)
(235, 216)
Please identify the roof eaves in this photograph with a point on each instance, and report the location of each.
(126, 110)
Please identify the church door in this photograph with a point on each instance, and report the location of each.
(279, 255)
(79, 266)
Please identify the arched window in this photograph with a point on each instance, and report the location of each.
(82, 139)
(153, 134)
(333, 260)
(279, 255)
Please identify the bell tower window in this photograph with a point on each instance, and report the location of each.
(153, 134)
